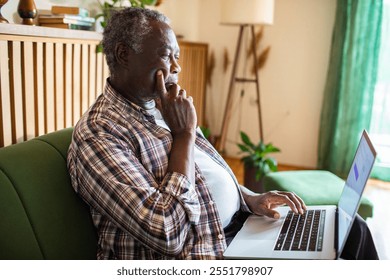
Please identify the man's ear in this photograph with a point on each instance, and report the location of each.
(122, 54)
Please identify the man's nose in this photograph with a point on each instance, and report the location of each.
(175, 67)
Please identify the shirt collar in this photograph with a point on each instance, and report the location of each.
(125, 106)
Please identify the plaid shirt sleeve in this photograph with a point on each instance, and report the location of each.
(113, 181)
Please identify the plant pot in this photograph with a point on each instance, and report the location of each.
(250, 180)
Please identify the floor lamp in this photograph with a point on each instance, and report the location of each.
(245, 14)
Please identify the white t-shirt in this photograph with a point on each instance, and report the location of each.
(220, 183)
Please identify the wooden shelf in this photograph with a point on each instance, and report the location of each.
(48, 32)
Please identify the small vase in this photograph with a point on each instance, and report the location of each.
(27, 11)
(2, 3)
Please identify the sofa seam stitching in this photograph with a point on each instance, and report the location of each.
(51, 145)
(25, 211)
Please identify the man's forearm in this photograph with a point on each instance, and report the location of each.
(181, 158)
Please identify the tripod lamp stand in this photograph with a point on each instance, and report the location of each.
(245, 14)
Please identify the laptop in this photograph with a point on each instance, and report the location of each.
(320, 233)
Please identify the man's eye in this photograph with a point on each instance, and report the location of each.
(165, 57)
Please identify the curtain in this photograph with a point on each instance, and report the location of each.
(351, 78)
(380, 121)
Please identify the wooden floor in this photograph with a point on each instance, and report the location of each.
(238, 168)
(377, 191)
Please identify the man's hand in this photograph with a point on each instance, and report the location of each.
(263, 204)
(176, 108)
(179, 114)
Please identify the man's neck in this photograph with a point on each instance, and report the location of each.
(145, 104)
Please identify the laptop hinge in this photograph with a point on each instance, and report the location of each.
(336, 233)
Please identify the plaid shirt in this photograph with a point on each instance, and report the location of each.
(117, 161)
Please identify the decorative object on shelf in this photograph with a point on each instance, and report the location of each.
(244, 14)
(66, 17)
(257, 163)
(69, 10)
(68, 21)
(27, 11)
(2, 19)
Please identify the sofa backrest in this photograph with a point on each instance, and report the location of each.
(41, 217)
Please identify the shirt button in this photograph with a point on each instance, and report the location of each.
(220, 236)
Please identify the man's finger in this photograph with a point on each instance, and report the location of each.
(270, 213)
(182, 93)
(160, 83)
(299, 203)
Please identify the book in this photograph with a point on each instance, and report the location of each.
(70, 10)
(67, 26)
(65, 18)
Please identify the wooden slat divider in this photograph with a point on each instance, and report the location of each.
(49, 77)
(76, 82)
(84, 78)
(92, 75)
(29, 113)
(59, 86)
(49, 88)
(39, 89)
(17, 88)
(5, 97)
(68, 85)
(99, 73)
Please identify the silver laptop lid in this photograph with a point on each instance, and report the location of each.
(354, 186)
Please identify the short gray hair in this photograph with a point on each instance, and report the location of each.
(129, 26)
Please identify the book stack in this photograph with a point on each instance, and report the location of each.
(68, 18)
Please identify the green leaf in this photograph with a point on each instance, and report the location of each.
(206, 131)
(269, 148)
(99, 15)
(135, 3)
(99, 48)
(256, 156)
(259, 174)
(245, 139)
(243, 148)
(272, 164)
(149, 2)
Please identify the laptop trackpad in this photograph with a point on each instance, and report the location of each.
(261, 228)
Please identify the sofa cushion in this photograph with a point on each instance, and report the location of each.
(40, 215)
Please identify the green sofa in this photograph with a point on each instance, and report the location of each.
(41, 217)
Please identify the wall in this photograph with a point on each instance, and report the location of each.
(292, 81)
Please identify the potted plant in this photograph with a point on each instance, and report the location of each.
(257, 162)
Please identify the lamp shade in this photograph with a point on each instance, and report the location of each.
(254, 12)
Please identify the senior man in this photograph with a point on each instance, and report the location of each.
(156, 187)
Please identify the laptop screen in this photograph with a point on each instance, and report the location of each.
(354, 187)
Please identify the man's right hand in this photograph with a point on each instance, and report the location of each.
(176, 107)
(179, 114)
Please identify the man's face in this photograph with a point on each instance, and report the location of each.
(160, 51)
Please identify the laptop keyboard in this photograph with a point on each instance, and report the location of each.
(302, 232)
